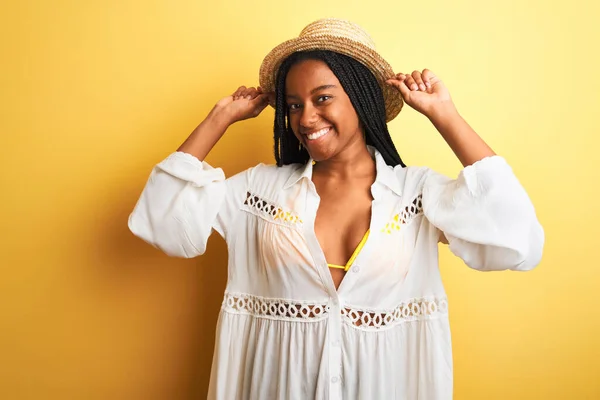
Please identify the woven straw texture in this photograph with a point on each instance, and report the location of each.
(342, 37)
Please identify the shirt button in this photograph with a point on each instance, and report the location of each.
(335, 379)
(356, 269)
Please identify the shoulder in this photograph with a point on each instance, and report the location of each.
(412, 179)
(269, 172)
(266, 172)
(270, 179)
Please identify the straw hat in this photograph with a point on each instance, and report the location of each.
(342, 37)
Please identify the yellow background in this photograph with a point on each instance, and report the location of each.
(94, 93)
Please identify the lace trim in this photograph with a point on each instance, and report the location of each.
(270, 210)
(404, 217)
(365, 319)
(411, 310)
(279, 309)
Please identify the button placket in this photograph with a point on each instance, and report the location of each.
(335, 349)
(312, 205)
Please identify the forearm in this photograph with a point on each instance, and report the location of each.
(468, 146)
(206, 135)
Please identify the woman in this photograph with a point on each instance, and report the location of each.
(333, 288)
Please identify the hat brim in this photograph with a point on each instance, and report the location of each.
(380, 68)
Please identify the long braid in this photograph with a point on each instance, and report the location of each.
(287, 147)
(365, 95)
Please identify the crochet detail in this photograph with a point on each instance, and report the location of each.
(404, 217)
(361, 318)
(262, 307)
(270, 210)
(411, 310)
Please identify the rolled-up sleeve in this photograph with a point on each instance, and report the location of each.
(183, 201)
(486, 216)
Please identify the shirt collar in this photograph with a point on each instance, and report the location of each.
(385, 173)
(301, 172)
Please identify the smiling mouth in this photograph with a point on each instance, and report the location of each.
(318, 134)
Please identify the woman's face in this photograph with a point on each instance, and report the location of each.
(321, 114)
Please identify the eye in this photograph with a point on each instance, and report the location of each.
(293, 107)
(323, 98)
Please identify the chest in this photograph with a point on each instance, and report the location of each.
(343, 218)
(298, 233)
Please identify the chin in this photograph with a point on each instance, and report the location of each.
(321, 155)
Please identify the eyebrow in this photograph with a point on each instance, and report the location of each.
(318, 88)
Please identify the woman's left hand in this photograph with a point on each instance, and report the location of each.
(424, 92)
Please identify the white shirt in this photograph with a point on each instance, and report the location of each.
(284, 331)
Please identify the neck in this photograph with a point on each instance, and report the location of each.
(352, 162)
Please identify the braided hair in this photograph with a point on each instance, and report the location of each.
(365, 95)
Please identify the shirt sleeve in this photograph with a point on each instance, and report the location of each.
(183, 201)
(486, 216)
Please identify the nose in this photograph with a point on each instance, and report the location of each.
(308, 116)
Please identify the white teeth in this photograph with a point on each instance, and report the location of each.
(317, 134)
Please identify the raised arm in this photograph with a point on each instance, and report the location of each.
(243, 104)
(185, 198)
(485, 215)
(427, 94)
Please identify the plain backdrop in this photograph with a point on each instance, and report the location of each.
(94, 93)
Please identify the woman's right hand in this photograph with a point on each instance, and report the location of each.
(244, 103)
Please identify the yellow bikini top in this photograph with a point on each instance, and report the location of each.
(354, 255)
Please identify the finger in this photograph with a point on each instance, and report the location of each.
(261, 98)
(419, 80)
(400, 85)
(390, 80)
(410, 82)
(260, 102)
(250, 93)
(429, 78)
(240, 90)
(236, 94)
(401, 76)
(244, 93)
